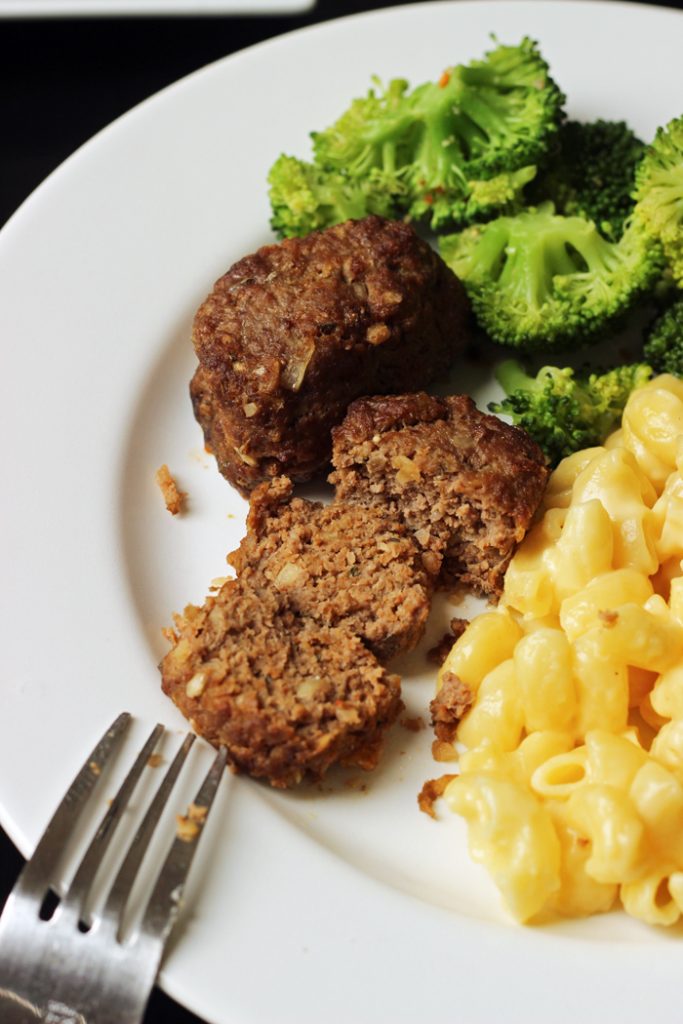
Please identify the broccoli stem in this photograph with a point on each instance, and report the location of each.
(512, 376)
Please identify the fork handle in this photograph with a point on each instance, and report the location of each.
(116, 994)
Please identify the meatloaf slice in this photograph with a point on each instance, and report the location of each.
(287, 697)
(337, 564)
(291, 334)
(465, 483)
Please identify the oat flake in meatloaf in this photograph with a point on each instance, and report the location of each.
(465, 483)
(291, 334)
(286, 696)
(337, 565)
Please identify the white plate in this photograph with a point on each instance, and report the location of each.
(343, 905)
(106, 8)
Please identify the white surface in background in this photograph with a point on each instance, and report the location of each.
(60, 8)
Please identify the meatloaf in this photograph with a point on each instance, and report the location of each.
(287, 696)
(291, 334)
(337, 564)
(465, 483)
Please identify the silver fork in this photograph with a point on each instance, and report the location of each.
(60, 963)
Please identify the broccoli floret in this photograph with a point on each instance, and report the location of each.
(663, 347)
(659, 193)
(539, 280)
(373, 136)
(592, 173)
(563, 411)
(450, 152)
(484, 119)
(303, 198)
(480, 200)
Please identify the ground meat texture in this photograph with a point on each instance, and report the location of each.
(440, 651)
(452, 701)
(287, 697)
(465, 483)
(337, 564)
(296, 331)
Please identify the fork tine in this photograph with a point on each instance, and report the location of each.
(79, 889)
(38, 873)
(123, 883)
(164, 903)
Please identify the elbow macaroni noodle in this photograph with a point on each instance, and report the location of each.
(572, 777)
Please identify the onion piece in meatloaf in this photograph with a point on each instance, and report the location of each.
(286, 696)
(291, 334)
(466, 484)
(337, 564)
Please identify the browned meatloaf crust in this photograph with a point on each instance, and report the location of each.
(337, 565)
(287, 696)
(465, 483)
(296, 331)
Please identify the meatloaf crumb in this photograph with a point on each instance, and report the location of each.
(173, 497)
(458, 627)
(450, 704)
(286, 696)
(440, 651)
(291, 334)
(430, 793)
(338, 565)
(438, 654)
(416, 724)
(465, 483)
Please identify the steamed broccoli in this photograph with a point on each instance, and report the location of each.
(374, 136)
(592, 173)
(304, 198)
(539, 280)
(480, 200)
(449, 152)
(565, 412)
(480, 121)
(659, 193)
(664, 344)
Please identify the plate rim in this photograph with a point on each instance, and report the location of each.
(383, 13)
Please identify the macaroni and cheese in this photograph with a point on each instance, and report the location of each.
(571, 779)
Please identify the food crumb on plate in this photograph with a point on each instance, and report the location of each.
(444, 751)
(357, 783)
(173, 497)
(430, 793)
(416, 724)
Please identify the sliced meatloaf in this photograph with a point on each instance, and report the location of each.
(338, 564)
(286, 696)
(466, 484)
(291, 334)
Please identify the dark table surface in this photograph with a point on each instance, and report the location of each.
(61, 80)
